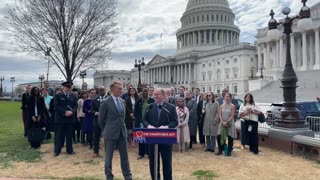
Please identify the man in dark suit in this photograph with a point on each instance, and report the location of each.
(181, 92)
(125, 95)
(97, 101)
(112, 121)
(65, 105)
(139, 112)
(161, 115)
(193, 122)
(24, 107)
(197, 97)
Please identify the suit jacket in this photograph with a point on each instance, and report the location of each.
(138, 111)
(168, 116)
(41, 110)
(193, 122)
(199, 97)
(24, 101)
(96, 103)
(62, 104)
(111, 120)
(129, 109)
(171, 100)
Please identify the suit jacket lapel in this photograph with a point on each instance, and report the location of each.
(114, 105)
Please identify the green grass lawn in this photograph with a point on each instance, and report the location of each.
(13, 145)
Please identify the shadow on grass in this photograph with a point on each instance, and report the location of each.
(205, 175)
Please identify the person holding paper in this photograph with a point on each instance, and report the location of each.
(161, 115)
(249, 112)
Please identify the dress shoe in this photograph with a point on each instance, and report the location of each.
(95, 155)
(219, 153)
(55, 154)
(71, 153)
(140, 157)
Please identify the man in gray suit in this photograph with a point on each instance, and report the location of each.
(112, 121)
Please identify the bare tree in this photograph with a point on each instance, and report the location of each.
(78, 32)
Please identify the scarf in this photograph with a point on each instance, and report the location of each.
(224, 133)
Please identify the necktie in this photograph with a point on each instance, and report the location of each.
(159, 111)
(119, 107)
(68, 95)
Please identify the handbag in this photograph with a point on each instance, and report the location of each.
(36, 134)
(261, 118)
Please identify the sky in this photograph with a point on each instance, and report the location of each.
(141, 24)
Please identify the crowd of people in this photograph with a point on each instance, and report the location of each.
(83, 116)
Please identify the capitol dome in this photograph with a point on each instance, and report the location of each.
(207, 25)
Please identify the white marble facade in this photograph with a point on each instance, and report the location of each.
(305, 48)
(210, 57)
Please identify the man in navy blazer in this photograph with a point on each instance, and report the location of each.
(65, 106)
(161, 115)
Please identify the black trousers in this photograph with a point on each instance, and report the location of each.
(143, 149)
(253, 139)
(63, 131)
(221, 146)
(96, 140)
(200, 131)
(76, 132)
(165, 151)
(244, 134)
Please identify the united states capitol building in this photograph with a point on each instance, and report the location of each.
(209, 55)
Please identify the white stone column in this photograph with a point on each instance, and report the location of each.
(304, 52)
(277, 59)
(205, 36)
(317, 49)
(281, 59)
(292, 51)
(265, 55)
(187, 43)
(216, 37)
(169, 80)
(174, 74)
(268, 56)
(222, 37)
(185, 73)
(199, 37)
(259, 59)
(194, 39)
(311, 51)
(190, 74)
(228, 37)
(210, 36)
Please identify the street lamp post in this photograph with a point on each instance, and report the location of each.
(290, 116)
(12, 80)
(47, 53)
(138, 64)
(83, 74)
(41, 77)
(290, 122)
(1, 89)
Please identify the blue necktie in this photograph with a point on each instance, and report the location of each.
(159, 111)
(119, 107)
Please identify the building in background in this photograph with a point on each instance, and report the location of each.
(209, 55)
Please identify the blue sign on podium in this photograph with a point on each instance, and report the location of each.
(154, 136)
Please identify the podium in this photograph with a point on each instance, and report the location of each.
(155, 136)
